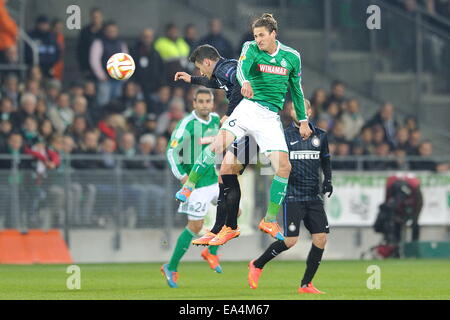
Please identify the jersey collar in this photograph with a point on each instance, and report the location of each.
(200, 119)
(276, 51)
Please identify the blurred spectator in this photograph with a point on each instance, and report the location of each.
(101, 50)
(318, 100)
(150, 124)
(30, 132)
(367, 140)
(175, 112)
(57, 29)
(77, 129)
(382, 151)
(6, 109)
(190, 36)
(131, 94)
(11, 89)
(61, 115)
(247, 36)
(112, 126)
(426, 151)
(89, 146)
(33, 87)
(8, 36)
(401, 138)
(400, 155)
(76, 89)
(331, 114)
(53, 89)
(41, 110)
(35, 74)
(149, 64)
(160, 150)
(108, 150)
(378, 135)
(337, 94)
(46, 130)
(138, 117)
(87, 35)
(127, 147)
(79, 107)
(337, 133)
(386, 119)
(352, 120)
(217, 40)
(6, 128)
(343, 149)
(47, 46)
(358, 148)
(28, 103)
(14, 146)
(322, 123)
(411, 123)
(414, 142)
(159, 102)
(174, 51)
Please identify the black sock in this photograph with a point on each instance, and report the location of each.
(232, 199)
(221, 213)
(312, 264)
(271, 252)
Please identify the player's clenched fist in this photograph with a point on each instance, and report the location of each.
(247, 90)
(183, 76)
(305, 130)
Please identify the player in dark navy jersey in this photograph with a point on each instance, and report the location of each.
(220, 73)
(303, 201)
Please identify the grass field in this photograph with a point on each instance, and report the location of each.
(402, 279)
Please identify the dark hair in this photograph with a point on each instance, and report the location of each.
(203, 52)
(95, 9)
(204, 91)
(266, 20)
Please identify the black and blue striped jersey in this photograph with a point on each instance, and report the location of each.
(306, 157)
(224, 77)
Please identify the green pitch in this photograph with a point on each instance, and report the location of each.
(402, 279)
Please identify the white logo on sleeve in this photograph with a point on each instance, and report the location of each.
(292, 143)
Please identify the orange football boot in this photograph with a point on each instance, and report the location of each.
(204, 240)
(272, 228)
(225, 235)
(212, 259)
(310, 289)
(253, 275)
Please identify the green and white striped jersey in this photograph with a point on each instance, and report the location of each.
(270, 75)
(190, 137)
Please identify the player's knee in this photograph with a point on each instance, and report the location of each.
(290, 241)
(319, 240)
(195, 226)
(284, 168)
(226, 169)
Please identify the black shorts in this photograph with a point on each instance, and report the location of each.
(311, 212)
(245, 150)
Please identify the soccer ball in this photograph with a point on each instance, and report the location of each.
(120, 66)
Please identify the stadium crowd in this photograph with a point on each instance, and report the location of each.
(46, 117)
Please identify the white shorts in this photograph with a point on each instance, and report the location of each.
(198, 203)
(256, 120)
